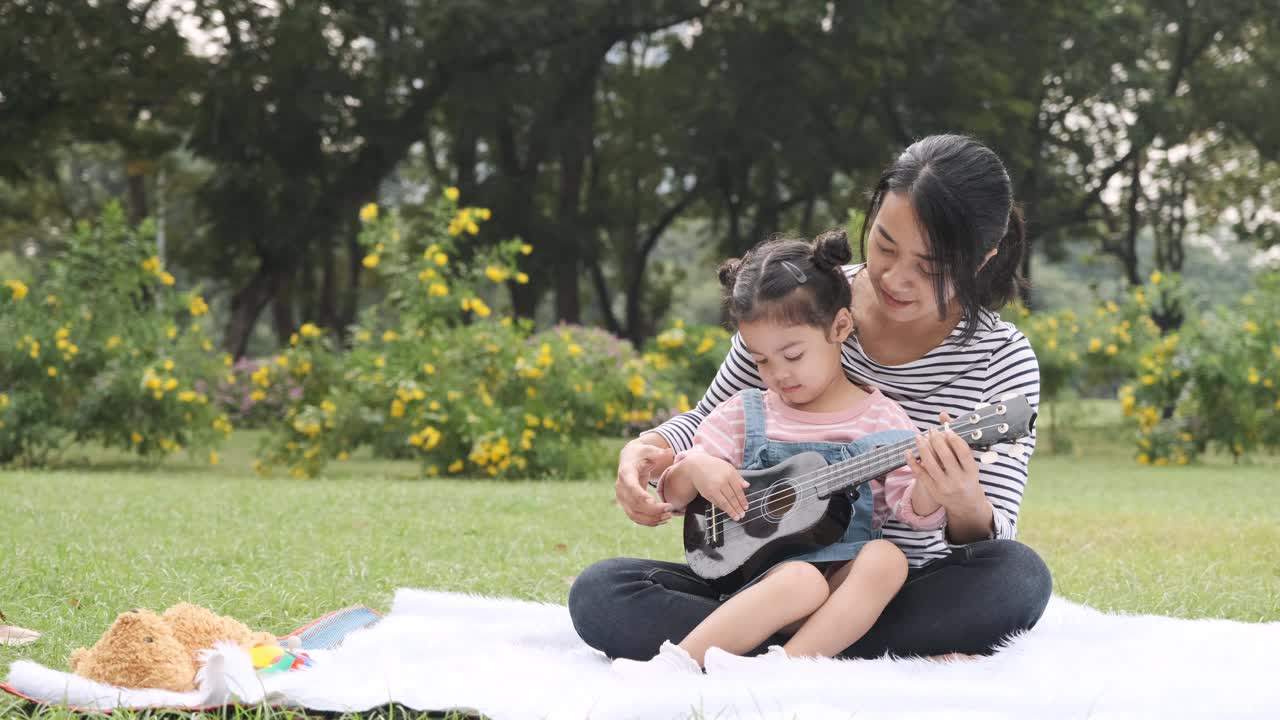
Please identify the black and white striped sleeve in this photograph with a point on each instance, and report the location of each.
(738, 372)
(1013, 369)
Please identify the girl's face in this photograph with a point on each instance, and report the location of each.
(798, 362)
(898, 262)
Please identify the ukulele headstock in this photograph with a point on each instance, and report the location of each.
(1004, 421)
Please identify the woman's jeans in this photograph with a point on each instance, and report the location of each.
(968, 602)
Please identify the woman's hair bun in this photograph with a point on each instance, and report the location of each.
(831, 249)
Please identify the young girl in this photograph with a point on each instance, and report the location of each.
(791, 303)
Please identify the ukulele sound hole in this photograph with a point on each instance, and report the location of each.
(782, 497)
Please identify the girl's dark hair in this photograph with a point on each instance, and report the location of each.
(962, 196)
(791, 282)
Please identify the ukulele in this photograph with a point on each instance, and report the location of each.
(800, 504)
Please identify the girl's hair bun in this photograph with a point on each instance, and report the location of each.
(831, 249)
(729, 272)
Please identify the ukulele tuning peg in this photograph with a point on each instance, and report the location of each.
(989, 457)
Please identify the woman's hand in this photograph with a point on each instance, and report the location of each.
(943, 465)
(640, 459)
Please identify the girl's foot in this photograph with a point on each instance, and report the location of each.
(951, 657)
(720, 661)
(671, 659)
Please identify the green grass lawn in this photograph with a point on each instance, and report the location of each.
(85, 542)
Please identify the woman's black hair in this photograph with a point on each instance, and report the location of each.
(788, 281)
(963, 199)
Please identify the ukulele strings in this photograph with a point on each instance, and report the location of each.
(816, 478)
(879, 454)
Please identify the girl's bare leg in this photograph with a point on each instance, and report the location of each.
(787, 593)
(859, 592)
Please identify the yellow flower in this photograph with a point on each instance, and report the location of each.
(452, 194)
(428, 368)
(441, 259)
(1112, 307)
(213, 458)
(257, 396)
(496, 274)
(1251, 327)
(1095, 344)
(483, 214)
(1112, 349)
(438, 290)
(166, 278)
(390, 336)
(522, 278)
(136, 437)
(4, 400)
(1144, 459)
(369, 212)
(635, 384)
(113, 342)
(309, 330)
(479, 308)
(455, 466)
(525, 248)
(53, 371)
(1254, 377)
(426, 275)
(171, 332)
(198, 306)
(370, 261)
(18, 289)
(1156, 277)
(151, 265)
(574, 350)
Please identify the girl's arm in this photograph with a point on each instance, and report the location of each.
(716, 452)
(910, 502)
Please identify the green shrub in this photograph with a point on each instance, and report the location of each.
(99, 347)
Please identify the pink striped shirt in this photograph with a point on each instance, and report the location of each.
(723, 435)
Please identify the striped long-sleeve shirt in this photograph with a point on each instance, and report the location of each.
(952, 377)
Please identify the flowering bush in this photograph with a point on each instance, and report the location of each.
(247, 397)
(437, 376)
(100, 347)
(1212, 384)
(690, 355)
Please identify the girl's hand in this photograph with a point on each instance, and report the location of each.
(722, 486)
(944, 467)
(640, 459)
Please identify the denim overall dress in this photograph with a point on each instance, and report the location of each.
(760, 452)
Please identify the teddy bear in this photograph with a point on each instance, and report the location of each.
(144, 650)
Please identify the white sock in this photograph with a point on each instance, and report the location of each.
(721, 661)
(671, 659)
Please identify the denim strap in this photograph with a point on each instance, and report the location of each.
(753, 408)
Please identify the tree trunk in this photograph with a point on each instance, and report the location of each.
(282, 310)
(136, 172)
(247, 304)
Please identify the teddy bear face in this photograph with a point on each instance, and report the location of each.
(139, 651)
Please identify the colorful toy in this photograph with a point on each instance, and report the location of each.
(269, 658)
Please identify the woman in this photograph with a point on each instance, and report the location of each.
(944, 243)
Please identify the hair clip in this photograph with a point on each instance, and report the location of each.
(796, 272)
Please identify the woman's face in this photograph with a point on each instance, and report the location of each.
(901, 271)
